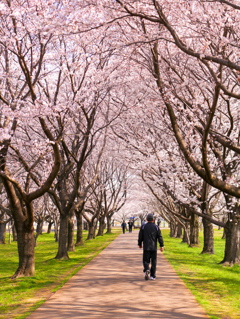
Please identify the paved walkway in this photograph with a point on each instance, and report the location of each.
(112, 286)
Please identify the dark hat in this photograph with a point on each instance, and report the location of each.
(150, 217)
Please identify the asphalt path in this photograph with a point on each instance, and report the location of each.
(112, 286)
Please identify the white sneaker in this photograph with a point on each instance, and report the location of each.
(146, 274)
(152, 278)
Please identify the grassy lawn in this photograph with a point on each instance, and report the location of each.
(215, 287)
(20, 296)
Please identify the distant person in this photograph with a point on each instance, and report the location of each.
(124, 226)
(149, 235)
(130, 226)
(159, 222)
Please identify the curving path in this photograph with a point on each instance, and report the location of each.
(112, 286)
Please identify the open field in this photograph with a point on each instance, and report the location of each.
(215, 287)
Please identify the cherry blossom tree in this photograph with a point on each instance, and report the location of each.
(195, 66)
(76, 75)
(111, 192)
(44, 91)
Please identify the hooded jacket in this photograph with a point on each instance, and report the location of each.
(149, 235)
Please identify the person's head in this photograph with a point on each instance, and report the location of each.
(150, 218)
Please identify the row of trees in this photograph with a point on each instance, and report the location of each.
(96, 92)
(192, 129)
(57, 89)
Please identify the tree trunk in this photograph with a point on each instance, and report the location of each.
(91, 230)
(208, 233)
(224, 234)
(224, 220)
(194, 230)
(95, 228)
(49, 227)
(109, 224)
(39, 229)
(23, 216)
(56, 232)
(102, 226)
(14, 232)
(208, 237)
(179, 231)
(186, 237)
(79, 217)
(2, 233)
(172, 229)
(232, 246)
(71, 246)
(26, 244)
(63, 238)
(85, 225)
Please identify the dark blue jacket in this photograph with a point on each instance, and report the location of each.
(149, 235)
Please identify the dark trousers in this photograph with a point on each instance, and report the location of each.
(150, 256)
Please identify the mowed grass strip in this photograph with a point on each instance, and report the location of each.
(19, 297)
(215, 287)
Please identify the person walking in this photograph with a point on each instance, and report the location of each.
(124, 226)
(148, 236)
(130, 226)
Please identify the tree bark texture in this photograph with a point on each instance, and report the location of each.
(194, 230)
(208, 237)
(2, 233)
(179, 231)
(109, 225)
(71, 246)
(172, 229)
(26, 244)
(39, 228)
(79, 238)
(186, 238)
(232, 246)
(63, 238)
(56, 232)
(102, 226)
(91, 230)
(14, 232)
(49, 227)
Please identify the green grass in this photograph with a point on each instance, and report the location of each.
(19, 297)
(215, 287)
